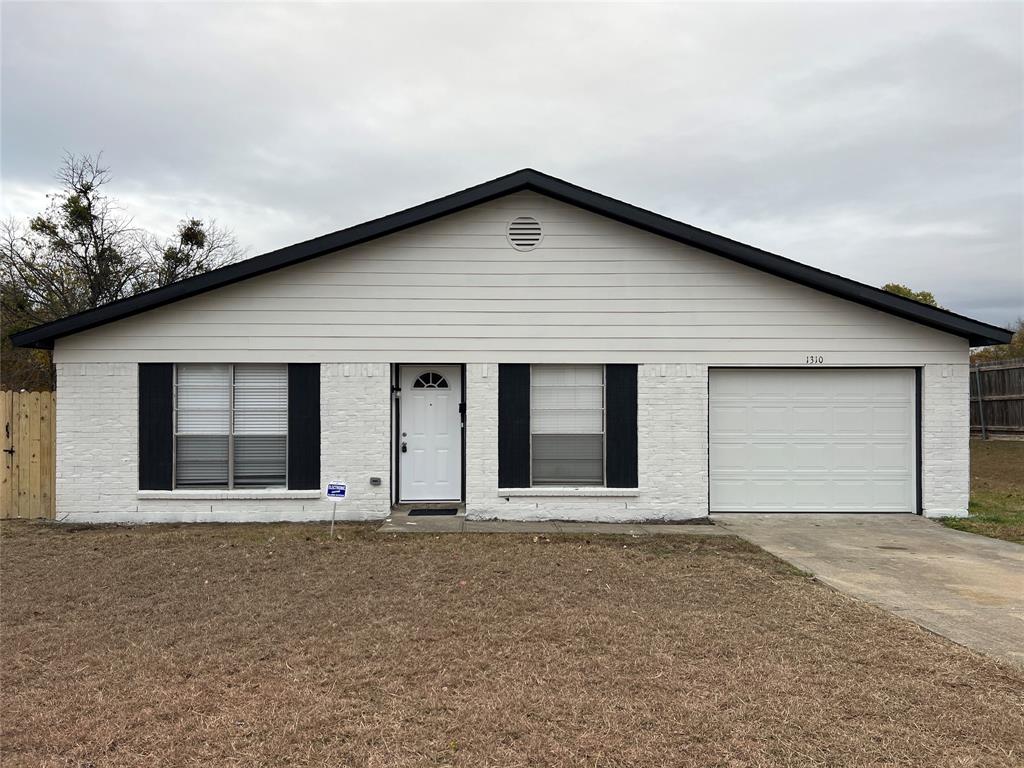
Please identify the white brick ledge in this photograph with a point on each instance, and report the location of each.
(142, 517)
(603, 493)
(266, 493)
(936, 514)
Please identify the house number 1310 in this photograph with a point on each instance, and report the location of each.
(815, 360)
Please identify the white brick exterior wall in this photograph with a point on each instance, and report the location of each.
(97, 438)
(97, 435)
(593, 291)
(672, 422)
(355, 442)
(672, 426)
(97, 452)
(945, 440)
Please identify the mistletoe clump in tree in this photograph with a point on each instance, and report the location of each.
(84, 251)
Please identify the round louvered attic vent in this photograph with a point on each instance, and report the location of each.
(524, 233)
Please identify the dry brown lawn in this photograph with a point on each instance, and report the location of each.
(273, 646)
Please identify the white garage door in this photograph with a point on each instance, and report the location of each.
(828, 440)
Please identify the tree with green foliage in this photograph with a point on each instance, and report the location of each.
(1012, 351)
(84, 251)
(195, 248)
(925, 297)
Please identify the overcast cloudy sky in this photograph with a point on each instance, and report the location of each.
(880, 141)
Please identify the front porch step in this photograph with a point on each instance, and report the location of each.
(403, 509)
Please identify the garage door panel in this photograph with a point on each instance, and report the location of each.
(731, 458)
(888, 388)
(769, 494)
(767, 420)
(891, 494)
(807, 390)
(852, 457)
(732, 494)
(810, 421)
(732, 387)
(810, 495)
(771, 388)
(891, 458)
(812, 440)
(855, 385)
(852, 495)
(851, 420)
(737, 460)
(891, 420)
(728, 420)
(769, 457)
(811, 457)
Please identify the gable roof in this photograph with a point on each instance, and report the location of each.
(976, 332)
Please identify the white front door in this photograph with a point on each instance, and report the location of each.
(430, 433)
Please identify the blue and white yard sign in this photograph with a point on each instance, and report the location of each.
(336, 490)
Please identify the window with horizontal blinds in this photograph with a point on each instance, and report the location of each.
(202, 425)
(260, 426)
(567, 416)
(231, 425)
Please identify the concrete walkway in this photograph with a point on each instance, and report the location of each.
(965, 587)
(401, 523)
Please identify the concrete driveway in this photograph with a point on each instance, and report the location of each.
(965, 587)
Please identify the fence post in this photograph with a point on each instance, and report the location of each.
(981, 403)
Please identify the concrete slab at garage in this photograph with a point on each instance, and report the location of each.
(965, 587)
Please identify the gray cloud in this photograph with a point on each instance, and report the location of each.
(883, 142)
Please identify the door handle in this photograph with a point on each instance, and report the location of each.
(405, 447)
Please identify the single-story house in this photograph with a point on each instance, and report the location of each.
(523, 349)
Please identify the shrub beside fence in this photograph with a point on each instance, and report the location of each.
(28, 483)
(997, 399)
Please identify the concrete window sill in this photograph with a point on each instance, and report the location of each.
(251, 494)
(554, 490)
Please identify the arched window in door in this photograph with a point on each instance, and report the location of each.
(430, 380)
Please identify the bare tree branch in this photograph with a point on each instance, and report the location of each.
(84, 251)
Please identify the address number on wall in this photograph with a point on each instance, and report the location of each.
(815, 360)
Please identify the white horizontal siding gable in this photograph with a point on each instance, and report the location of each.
(455, 290)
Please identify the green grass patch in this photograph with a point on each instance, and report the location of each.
(999, 514)
(997, 491)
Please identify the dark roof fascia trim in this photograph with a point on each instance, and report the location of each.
(43, 336)
(976, 332)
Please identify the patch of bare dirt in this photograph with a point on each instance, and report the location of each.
(997, 465)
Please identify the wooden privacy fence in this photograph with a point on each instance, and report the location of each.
(30, 466)
(997, 399)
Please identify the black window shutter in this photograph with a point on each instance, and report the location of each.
(303, 425)
(513, 425)
(620, 426)
(156, 426)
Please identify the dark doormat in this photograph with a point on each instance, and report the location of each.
(431, 512)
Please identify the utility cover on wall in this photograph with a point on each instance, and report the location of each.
(524, 233)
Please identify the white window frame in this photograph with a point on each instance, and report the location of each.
(604, 430)
(230, 435)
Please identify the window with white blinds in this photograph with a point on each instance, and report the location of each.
(567, 424)
(230, 426)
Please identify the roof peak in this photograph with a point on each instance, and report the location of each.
(975, 331)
